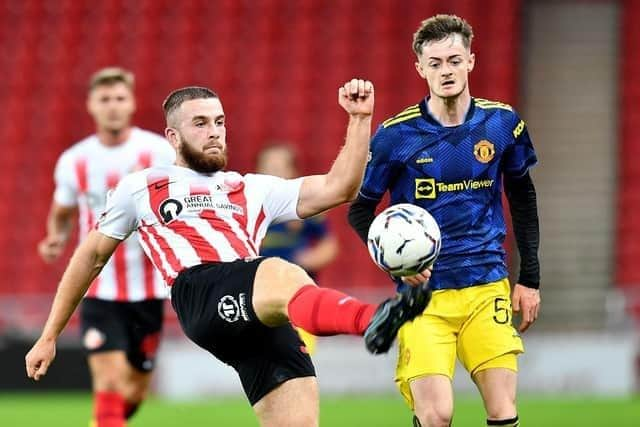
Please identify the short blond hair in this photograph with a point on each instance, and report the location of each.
(111, 75)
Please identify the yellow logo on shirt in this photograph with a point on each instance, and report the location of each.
(428, 188)
(425, 188)
(484, 151)
(518, 129)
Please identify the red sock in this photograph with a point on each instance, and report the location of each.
(109, 409)
(324, 311)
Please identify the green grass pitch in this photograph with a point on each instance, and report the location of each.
(64, 410)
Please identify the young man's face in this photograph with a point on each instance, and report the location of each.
(199, 134)
(445, 65)
(111, 106)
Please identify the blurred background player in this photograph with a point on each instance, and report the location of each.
(121, 316)
(307, 242)
(449, 154)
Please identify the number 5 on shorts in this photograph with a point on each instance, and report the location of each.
(501, 309)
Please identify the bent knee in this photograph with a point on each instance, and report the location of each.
(282, 272)
(276, 282)
(109, 381)
(136, 393)
(432, 416)
(506, 410)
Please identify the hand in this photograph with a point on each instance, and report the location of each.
(50, 248)
(39, 358)
(356, 97)
(527, 302)
(418, 279)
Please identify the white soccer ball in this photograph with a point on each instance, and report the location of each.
(404, 240)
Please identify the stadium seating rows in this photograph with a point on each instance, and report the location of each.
(276, 65)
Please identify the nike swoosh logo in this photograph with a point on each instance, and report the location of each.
(344, 300)
(160, 186)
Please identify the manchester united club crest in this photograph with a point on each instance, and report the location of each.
(484, 151)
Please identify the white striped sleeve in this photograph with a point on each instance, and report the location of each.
(119, 218)
(281, 199)
(66, 191)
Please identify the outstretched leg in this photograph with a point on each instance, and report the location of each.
(284, 292)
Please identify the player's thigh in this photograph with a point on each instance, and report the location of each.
(427, 346)
(488, 333)
(294, 403)
(275, 283)
(498, 389)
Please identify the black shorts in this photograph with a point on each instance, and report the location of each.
(213, 303)
(133, 327)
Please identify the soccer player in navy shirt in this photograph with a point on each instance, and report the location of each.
(452, 154)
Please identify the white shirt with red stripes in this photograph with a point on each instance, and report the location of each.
(185, 218)
(84, 174)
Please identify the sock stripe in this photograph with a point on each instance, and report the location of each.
(511, 422)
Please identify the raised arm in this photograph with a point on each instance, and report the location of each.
(340, 185)
(85, 265)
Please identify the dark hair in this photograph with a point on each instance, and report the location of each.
(440, 27)
(178, 96)
(110, 76)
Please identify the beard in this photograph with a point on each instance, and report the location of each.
(201, 162)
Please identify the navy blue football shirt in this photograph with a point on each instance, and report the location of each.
(456, 174)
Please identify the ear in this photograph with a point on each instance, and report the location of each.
(420, 70)
(89, 105)
(472, 62)
(172, 136)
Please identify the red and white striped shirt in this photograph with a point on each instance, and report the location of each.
(84, 174)
(185, 218)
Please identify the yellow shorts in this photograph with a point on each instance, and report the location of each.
(308, 339)
(472, 323)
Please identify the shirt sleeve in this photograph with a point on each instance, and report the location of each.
(66, 191)
(381, 169)
(281, 200)
(119, 218)
(520, 155)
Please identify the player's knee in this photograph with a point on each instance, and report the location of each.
(110, 382)
(501, 406)
(503, 410)
(434, 416)
(136, 392)
(276, 282)
(288, 273)
(305, 420)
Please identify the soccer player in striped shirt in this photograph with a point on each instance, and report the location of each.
(121, 315)
(202, 227)
(451, 154)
